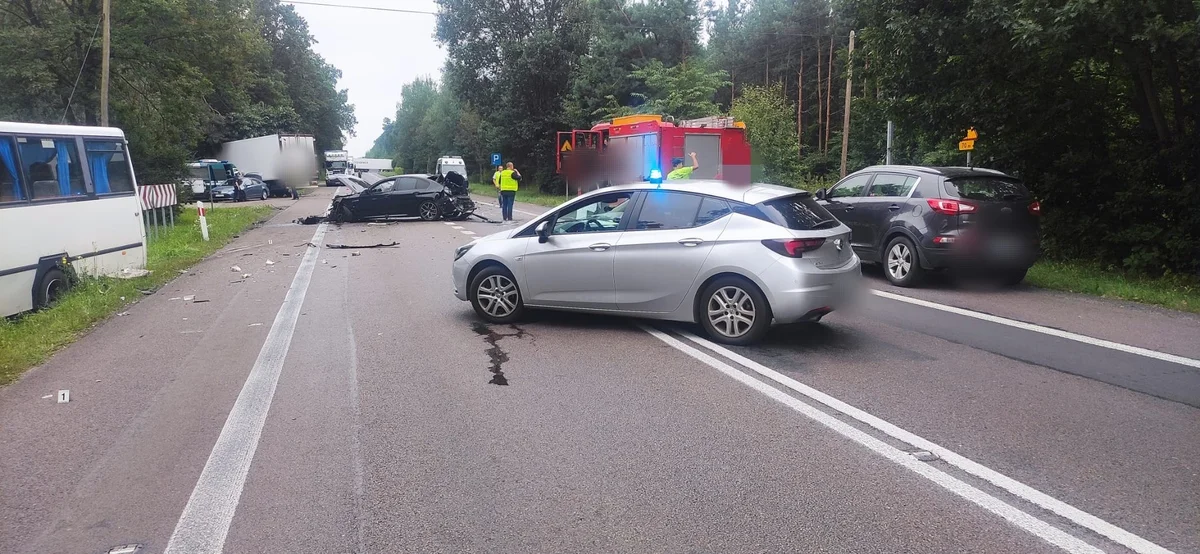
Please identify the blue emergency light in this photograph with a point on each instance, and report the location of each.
(656, 177)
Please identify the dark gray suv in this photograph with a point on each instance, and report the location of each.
(917, 219)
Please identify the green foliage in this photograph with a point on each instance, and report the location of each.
(771, 130)
(186, 75)
(684, 91)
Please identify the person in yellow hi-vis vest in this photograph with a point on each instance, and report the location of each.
(496, 183)
(509, 183)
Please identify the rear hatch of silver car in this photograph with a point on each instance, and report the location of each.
(819, 236)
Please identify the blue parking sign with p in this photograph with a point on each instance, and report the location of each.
(495, 158)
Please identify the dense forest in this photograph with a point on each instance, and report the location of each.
(1093, 102)
(186, 75)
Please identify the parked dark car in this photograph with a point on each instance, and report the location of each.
(919, 219)
(255, 189)
(428, 197)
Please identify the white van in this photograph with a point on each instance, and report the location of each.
(451, 163)
(70, 195)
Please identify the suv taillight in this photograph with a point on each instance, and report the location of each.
(793, 248)
(1035, 208)
(950, 207)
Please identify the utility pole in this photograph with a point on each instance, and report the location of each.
(828, 97)
(104, 67)
(846, 119)
(820, 120)
(891, 132)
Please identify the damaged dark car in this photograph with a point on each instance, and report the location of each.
(429, 197)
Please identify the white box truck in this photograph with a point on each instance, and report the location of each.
(338, 162)
(279, 161)
(371, 165)
(446, 164)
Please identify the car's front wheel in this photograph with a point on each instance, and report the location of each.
(428, 210)
(900, 263)
(734, 311)
(265, 194)
(495, 296)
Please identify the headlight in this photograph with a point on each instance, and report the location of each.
(462, 250)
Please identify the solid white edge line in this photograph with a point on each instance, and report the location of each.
(205, 520)
(1044, 330)
(1018, 489)
(1013, 515)
(497, 206)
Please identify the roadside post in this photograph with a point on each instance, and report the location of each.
(203, 221)
(967, 144)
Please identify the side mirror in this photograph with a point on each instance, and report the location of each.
(820, 194)
(543, 231)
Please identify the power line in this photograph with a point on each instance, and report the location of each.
(81, 66)
(373, 8)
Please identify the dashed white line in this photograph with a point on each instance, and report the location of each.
(204, 524)
(1044, 330)
(467, 232)
(448, 222)
(1016, 488)
(456, 227)
(1021, 519)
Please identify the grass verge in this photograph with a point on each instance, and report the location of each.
(1175, 292)
(28, 340)
(529, 197)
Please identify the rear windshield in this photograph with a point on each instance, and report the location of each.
(799, 212)
(986, 189)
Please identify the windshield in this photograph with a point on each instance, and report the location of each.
(799, 212)
(198, 173)
(986, 189)
(335, 165)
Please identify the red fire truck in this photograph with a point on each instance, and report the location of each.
(628, 148)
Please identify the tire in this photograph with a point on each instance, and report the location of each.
(1014, 277)
(428, 211)
(343, 215)
(733, 311)
(265, 195)
(505, 308)
(52, 286)
(901, 264)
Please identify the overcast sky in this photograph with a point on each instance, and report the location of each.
(377, 52)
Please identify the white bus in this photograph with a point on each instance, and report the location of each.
(68, 203)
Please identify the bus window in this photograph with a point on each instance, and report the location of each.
(10, 174)
(110, 168)
(52, 167)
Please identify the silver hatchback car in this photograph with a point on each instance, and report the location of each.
(733, 259)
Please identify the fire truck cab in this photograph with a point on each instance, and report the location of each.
(628, 148)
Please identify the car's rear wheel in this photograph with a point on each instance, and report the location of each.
(734, 311)
(495, 296)
(1014, 277)
(900, 263)
(428, 210)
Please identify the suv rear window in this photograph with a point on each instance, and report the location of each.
(799, 212)
(986, 189)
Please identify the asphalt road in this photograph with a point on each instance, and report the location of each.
(342, 400)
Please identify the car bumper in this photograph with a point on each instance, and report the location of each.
(999, 252)
(799, 293)
(459, 275)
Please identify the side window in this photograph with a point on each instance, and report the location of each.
(52, 166)
(668, 210)
(11, 189)
(852, 187)
(600, 214)
(712, 209)
(385, 186)
(409, 183)
(109, 166)
(890, 184)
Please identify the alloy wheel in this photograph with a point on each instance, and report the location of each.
(899, 261)
(428, 211)
(731, 311)
(498, 296)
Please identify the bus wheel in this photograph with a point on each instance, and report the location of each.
(52, 286)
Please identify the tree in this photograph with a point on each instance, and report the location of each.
(771, 132)
(684, 91)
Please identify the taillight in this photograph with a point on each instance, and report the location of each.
(793, 248)
(1035, 208)
(950, 207)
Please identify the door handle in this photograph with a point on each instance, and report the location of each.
(600, 246)
(690, 242)
(894, 207)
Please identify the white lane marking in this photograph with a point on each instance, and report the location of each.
(1044, 330)
(448, 222)
(1021, 490)
(456, 227)
(467, 232)
(205, 520)
(1031, 524)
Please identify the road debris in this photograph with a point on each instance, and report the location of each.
(199, 301)
(377, 224)
(189, 298)
(173, 298)
(311, 220)
(254, 325)
(325, 262)
(48, 397)
(235, 269)
(352, 254)
(269, 262)
(245, 276)
(353, 246)
(130, 273)
(122, 314)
